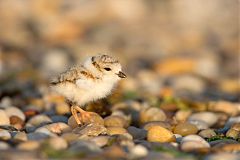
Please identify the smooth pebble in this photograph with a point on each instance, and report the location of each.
(14, 111)
(4, 119)
(152, 114)
(138, 151)
(193, 142)
(21, 136)
(29, 145)
(115, 121)
(57, 143)
(209, 118)
(5, 135)
(160, 134)
(137, 133)
(116, 130)
(207, 133)
(148, 125)
(39, 120)
(185, 129)
(4, 145)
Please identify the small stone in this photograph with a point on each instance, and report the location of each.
(193, 142)
(37, 103)
(37, 136)
(62, 108)
(178, 138)
(148, 125)
(70, 137)
(115, 121)
(58, 128)
(30, 113)
(116, 130)
(115, 152)
(221, 142)
(124, 139)
(4, 119)
(21, 136)
(222, 156)
(137, 133)
(57, 143)
(100, 140)
(138, 151)
(4, 135)
(29, 145)
(207, 117)
(95, 118)
(85, 147)
(16, 122)
(39, 120)
(5, 102)
(4, 146)
(231, 147)
(236, 127)
(57, 118)
(207, 133)
(152, 114)
(182, 115)
(231, 121)
(192, 84)
(160, 134)
(90, 130)
(224, 106)
(199, 124)
(185, 129)
(45, 131)
(233, 133)
(14, 111)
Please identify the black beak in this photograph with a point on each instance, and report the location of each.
(121, 74)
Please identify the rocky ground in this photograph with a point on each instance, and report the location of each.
(180, 100)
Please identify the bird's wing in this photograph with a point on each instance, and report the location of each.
(71, 75)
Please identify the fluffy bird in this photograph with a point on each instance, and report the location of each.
(92, 80)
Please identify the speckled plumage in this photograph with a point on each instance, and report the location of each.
(88, 82)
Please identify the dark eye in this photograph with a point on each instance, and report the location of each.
(107, 69)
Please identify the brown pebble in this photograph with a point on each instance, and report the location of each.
(148, 125)
(116, 130)
(16, 122)
(185, 129)
(160, 134)
(225, 107)
(28, 145)
(70, 137)
(182, 115)
(233, 133)
(115, 121)
(236, 126)
(231, 147)
(207, 133)
(152, 114)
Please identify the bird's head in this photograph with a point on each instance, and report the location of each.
(108, 66)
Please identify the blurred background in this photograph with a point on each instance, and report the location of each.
(184, 48)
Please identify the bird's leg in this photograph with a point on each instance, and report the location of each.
(84, 114)
(75, 115)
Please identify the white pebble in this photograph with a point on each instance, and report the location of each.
(4, 119)
(138, 151)
(5, 135)
(14, 111)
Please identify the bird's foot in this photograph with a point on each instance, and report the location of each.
(83, 117)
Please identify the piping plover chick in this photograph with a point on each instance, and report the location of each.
(92, 80)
